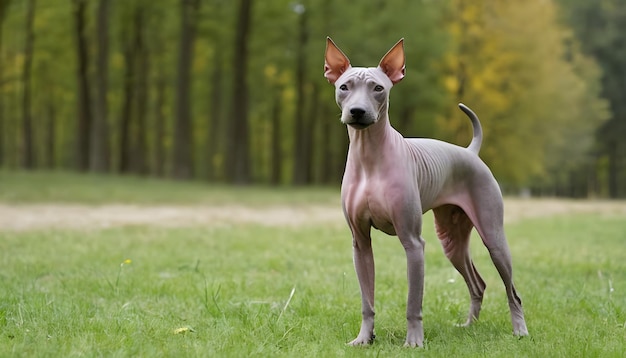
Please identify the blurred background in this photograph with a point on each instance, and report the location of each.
(233, 91)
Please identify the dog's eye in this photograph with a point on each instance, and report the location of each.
(343, 87)
(378, 88)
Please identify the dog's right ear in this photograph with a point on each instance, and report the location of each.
(335, 62)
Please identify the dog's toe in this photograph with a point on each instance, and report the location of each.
(413, 344)
(362, 340)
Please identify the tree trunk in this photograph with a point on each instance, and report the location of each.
(141, 88)
(100, 131)
(127, 107)
(215, 121)
(28, 160)
(308, 133)
(326, 151)
(4, 5)
(161, 83)
(83, 128)
(214, 145)
(276, 141)
(159, 140)
(302, 165)
(613, 170)
(49, 138)
(183, 163)
(238, 162)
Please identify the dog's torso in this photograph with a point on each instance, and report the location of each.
(433, 173)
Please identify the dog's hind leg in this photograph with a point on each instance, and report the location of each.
(453, 229)
(489, 222)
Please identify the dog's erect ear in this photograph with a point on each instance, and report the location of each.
(335, 62)
(393, 62)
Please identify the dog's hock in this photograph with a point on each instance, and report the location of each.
(393, 63)
(335, 62)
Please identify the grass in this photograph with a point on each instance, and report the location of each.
(250, 290)
(38, 187)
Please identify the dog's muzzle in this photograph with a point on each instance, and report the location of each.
(359, 119)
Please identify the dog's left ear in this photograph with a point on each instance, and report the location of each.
(393, 62)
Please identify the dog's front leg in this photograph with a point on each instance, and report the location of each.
(364, 266)
(415, 274)
(410, 237)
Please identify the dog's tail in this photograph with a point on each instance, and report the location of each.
(477, 140)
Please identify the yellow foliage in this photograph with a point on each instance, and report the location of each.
(270, 71)
(508, 64)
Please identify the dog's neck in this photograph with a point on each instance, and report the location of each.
(370, 147)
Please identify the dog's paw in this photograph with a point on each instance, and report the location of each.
(414, 344)
(467, 323)
(414, 340)
(520, 331)
(362, 340)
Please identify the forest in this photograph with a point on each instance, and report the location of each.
(233, 92)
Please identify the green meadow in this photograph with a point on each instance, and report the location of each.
(283, 289)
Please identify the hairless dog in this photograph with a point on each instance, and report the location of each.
(390, 181)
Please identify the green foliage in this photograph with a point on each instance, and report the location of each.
(516, 65)
(600, 28)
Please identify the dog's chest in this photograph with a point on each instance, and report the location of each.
(373, 203)
(380, 216)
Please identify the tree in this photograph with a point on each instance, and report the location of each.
(197, 93)
(238, 163)
(128, 98)
(158, 41)
(4, 6)
(302, 132)
(139, 162)
(28, 160)
(84, 115)
(183, 163)
(215, 120)
(494, 68)
(100, 131)
(600, 27)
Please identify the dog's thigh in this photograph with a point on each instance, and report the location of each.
(453, 229)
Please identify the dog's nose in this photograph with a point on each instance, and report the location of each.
(357, 113)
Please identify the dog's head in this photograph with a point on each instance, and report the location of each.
(362, 93)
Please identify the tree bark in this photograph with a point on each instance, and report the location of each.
(613, 170)
(308, 133)
(28, 153)
(276, 148)
(49, 138)
(159, 135)
(141, 88)
(326, 151)
(214, 145)
(183, 162)
(238, 162)
(4, 5)
(302, 165)
(100, 131)
(83, 128)
(215, 120)
(127, 108)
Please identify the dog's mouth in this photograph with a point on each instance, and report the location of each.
(360, 125)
